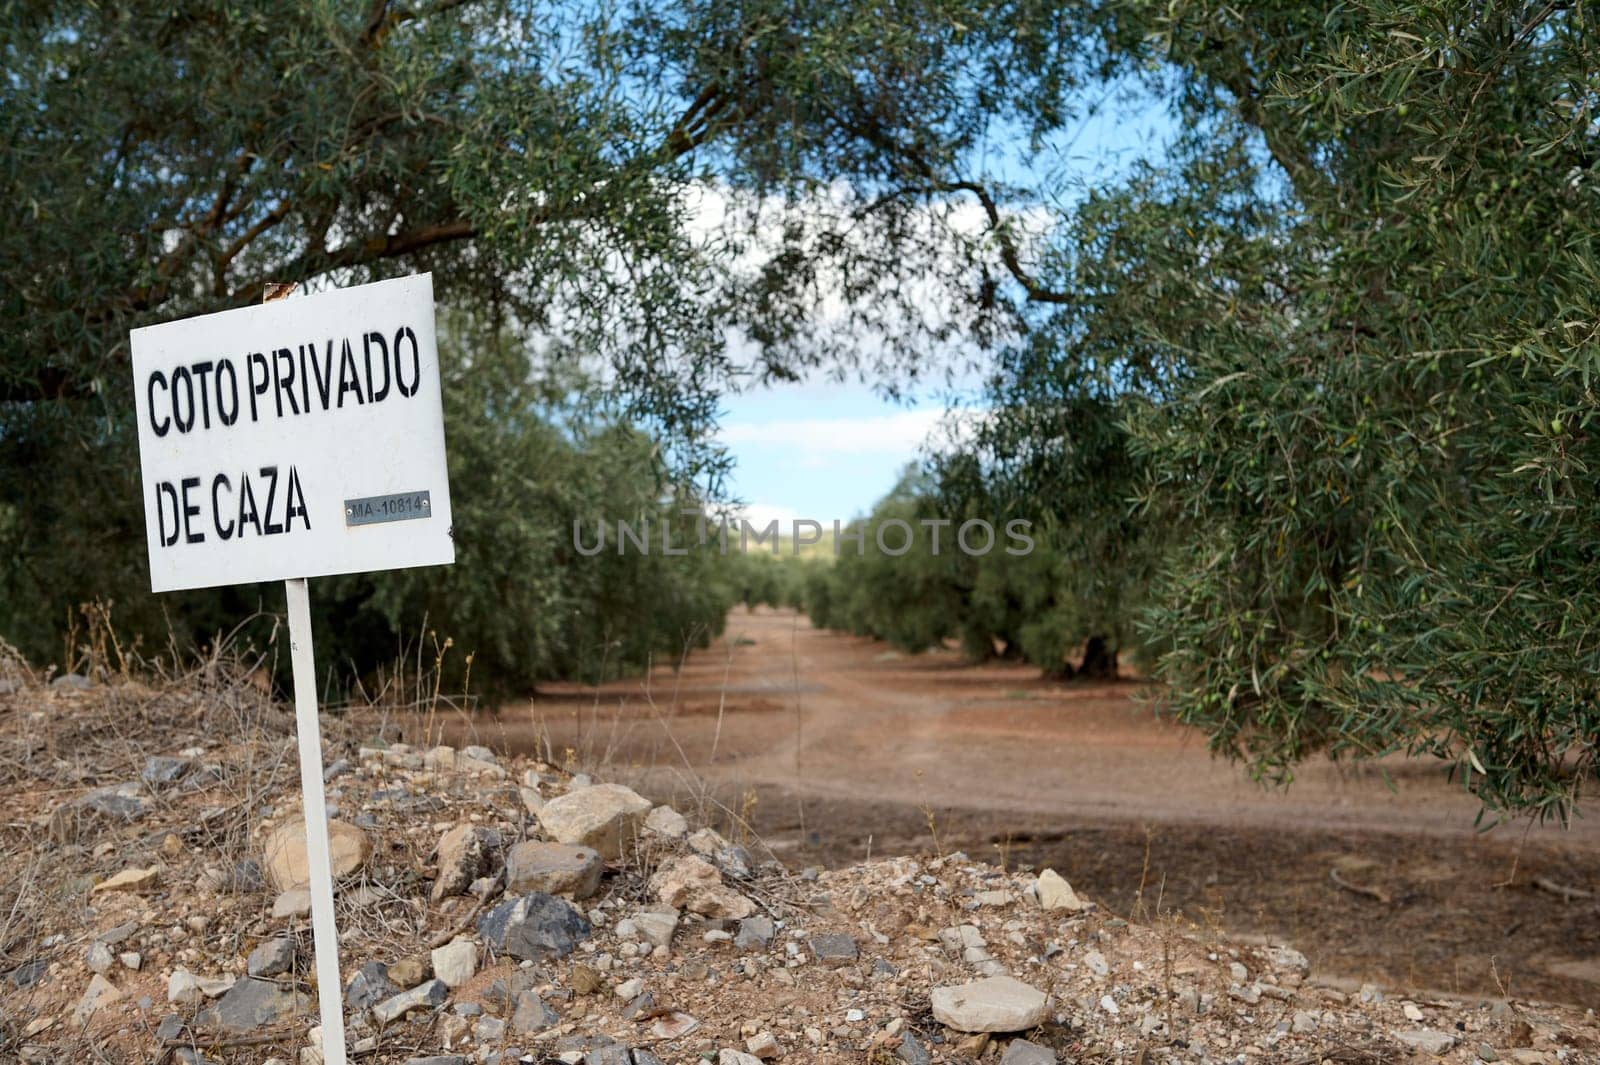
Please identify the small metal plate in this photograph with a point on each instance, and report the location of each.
(401, 506)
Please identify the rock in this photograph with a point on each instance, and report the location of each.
(694, 884)
(489, 1030)
(284, 854)
(251, 1004)
(755, 933)
(736, 1057)
(534, 927)
(1056, 894)
(555, 868)
(160, 771)
(912, 1052)
(273, 957)
(529, 1014)
(296, 902)
(464, 854)
(655, 928)
(764, 1046)
(605, 817)
(118, 804)
(131, 960)
(1022, 1052)
(423, 996)
(667, 822)
(187, 988)
(29, 972)
(99, 994)
(75, 682)
(673, 1026)
(1287, 959)
(369, 986)
(707, 842)
(584, 980)
(640, 1004)
(835, 948)
(1426, 1040)
(99, 958)
(130, 880)
(1303, 1023)
(170, 1028)
(411, 970)
(456, 962)
(995, 1004)
(438, 1059)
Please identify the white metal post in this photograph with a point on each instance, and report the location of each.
(325, 936)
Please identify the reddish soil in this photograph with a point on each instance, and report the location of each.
(834, 747)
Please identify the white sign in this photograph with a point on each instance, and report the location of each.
(299, 438)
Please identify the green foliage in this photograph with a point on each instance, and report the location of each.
(543, 471)
(1344, 335)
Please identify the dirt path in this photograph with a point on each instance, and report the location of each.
(833, 746)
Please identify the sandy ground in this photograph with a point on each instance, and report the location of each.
(834, 747)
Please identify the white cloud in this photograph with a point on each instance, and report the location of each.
(760, 515)
(899, 432)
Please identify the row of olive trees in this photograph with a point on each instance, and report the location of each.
(1022, 592)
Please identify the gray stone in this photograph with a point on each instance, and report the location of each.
(834, 948)
(456, 962)
(99, 958)
(665, 821)
(369, 986)
(994, 1004)
(1022, 1052)
(160, 771)
(273, 957)
(735, 861)
(644, 1003)
(28, 973)
(426, 995)
(170, 1028)
(118, 804)
(644, 1057)
(489, 1030)
(112, 936)
(911, 1051)
(338, 769)
(251, 1004)
(556, 868)
(100, 992)
(191, 1056)
(1426, 1040)
(534, 927)
(296, 902)
(531, 1014)
(245, 877)
(438, 1059)
(72, 682)
(655, 928)
(609, 1055)
(464, 853)
(755, 933)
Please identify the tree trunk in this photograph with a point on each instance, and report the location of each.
(1099, 662)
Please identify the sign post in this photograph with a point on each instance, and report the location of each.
(288, 441)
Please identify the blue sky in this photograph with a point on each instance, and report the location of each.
(828, 450)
